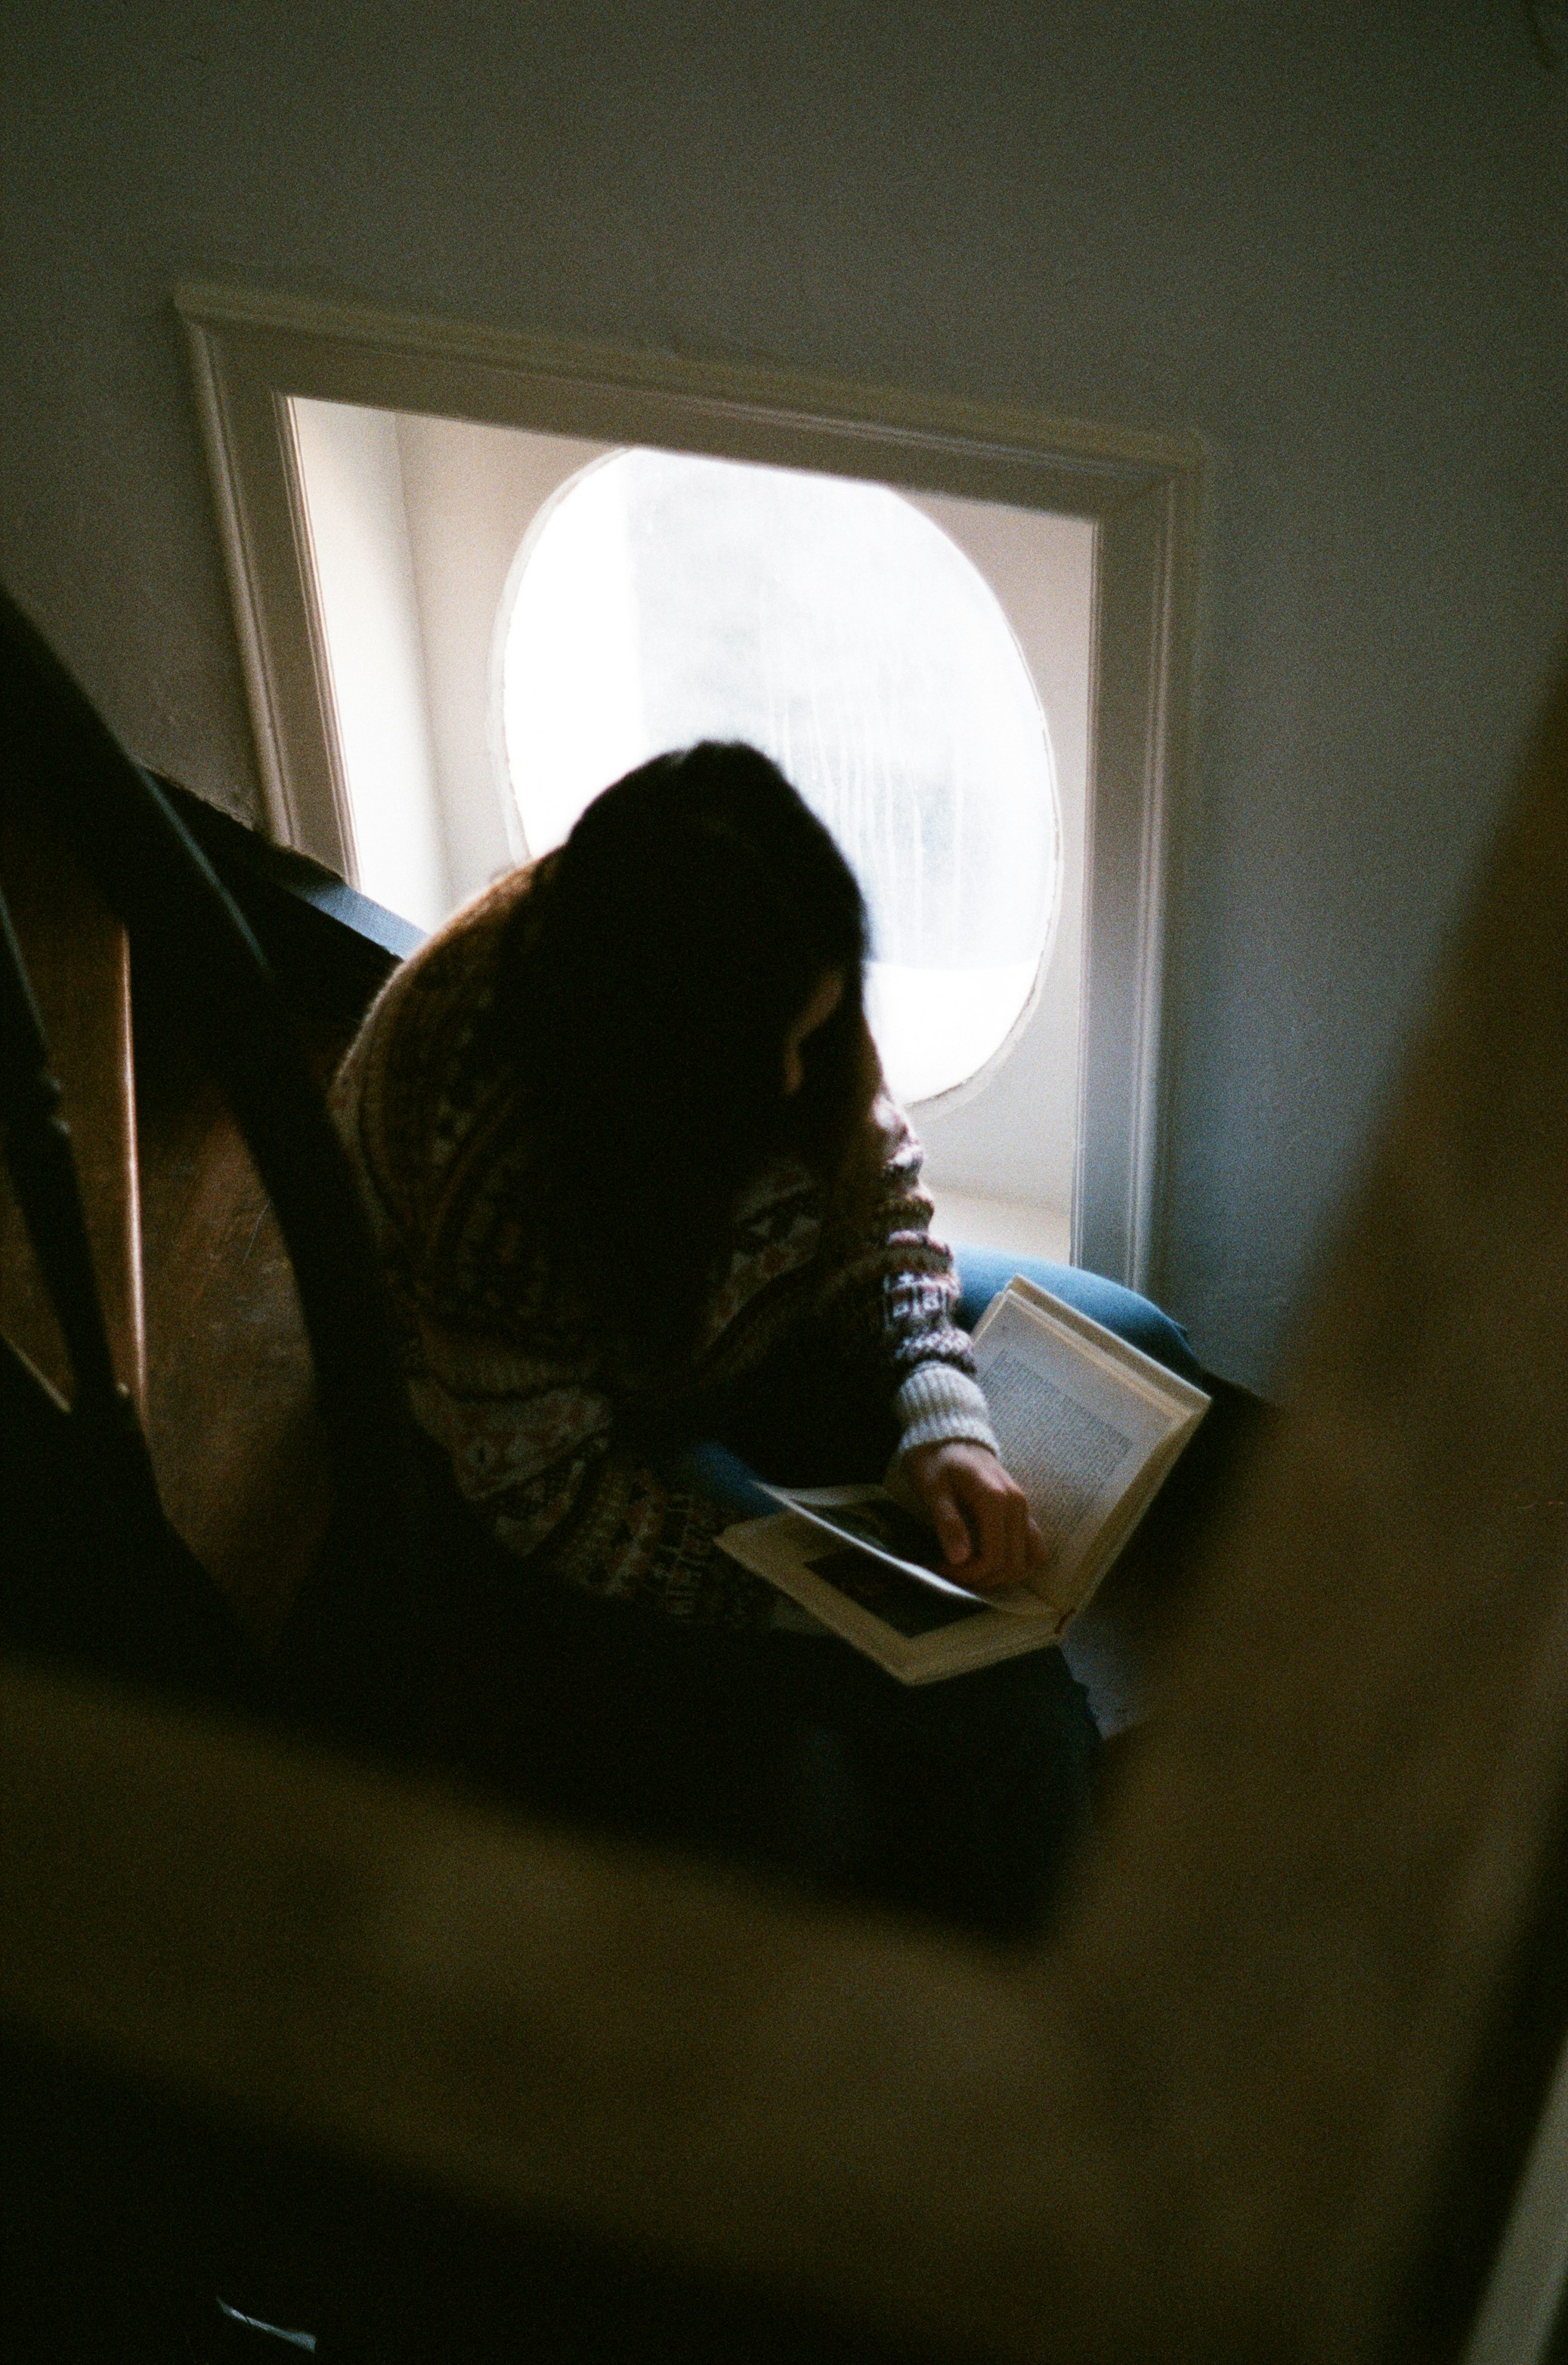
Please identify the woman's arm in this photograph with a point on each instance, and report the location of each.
(887, 1298)
(533, 1448)
(891, 1298)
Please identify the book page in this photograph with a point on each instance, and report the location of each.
(1063, 1455)
(909, 1606)
(890, 1532)
(1074, 1429)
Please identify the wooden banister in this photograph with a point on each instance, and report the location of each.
(192, 949)
(78, 963)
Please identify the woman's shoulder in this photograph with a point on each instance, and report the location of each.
(416, 1072)
(448, 981)
(458, 961)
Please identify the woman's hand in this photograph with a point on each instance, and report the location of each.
(983, 1523)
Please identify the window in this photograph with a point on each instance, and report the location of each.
(661, 598)
(380, 481)
(509, 621)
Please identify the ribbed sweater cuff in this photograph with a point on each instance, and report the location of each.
(938, 1405)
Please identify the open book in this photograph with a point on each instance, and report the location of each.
(1088, 1426)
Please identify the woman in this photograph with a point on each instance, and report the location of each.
(649, 1218)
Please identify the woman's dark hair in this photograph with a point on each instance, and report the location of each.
(647, 986)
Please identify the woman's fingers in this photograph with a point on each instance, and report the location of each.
(999, 1517)
(952, 1528)
(980, 1515)
(989, 1511)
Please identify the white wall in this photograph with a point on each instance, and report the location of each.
(351, 480)
(472, 493)
(1333, 240)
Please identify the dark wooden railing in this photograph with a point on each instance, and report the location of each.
(193, 951)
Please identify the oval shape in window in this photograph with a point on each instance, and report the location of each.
(662, 599)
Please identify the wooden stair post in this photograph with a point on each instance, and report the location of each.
(78, 963)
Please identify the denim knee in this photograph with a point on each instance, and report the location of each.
(983, 1272)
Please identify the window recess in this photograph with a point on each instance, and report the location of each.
(395, 494)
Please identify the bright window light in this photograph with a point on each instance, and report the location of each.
(661, 598)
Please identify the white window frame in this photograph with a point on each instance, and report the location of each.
(252, 352)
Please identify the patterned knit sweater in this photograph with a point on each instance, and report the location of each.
(540, 1425)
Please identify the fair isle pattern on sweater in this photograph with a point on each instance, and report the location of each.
(534, 1418)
